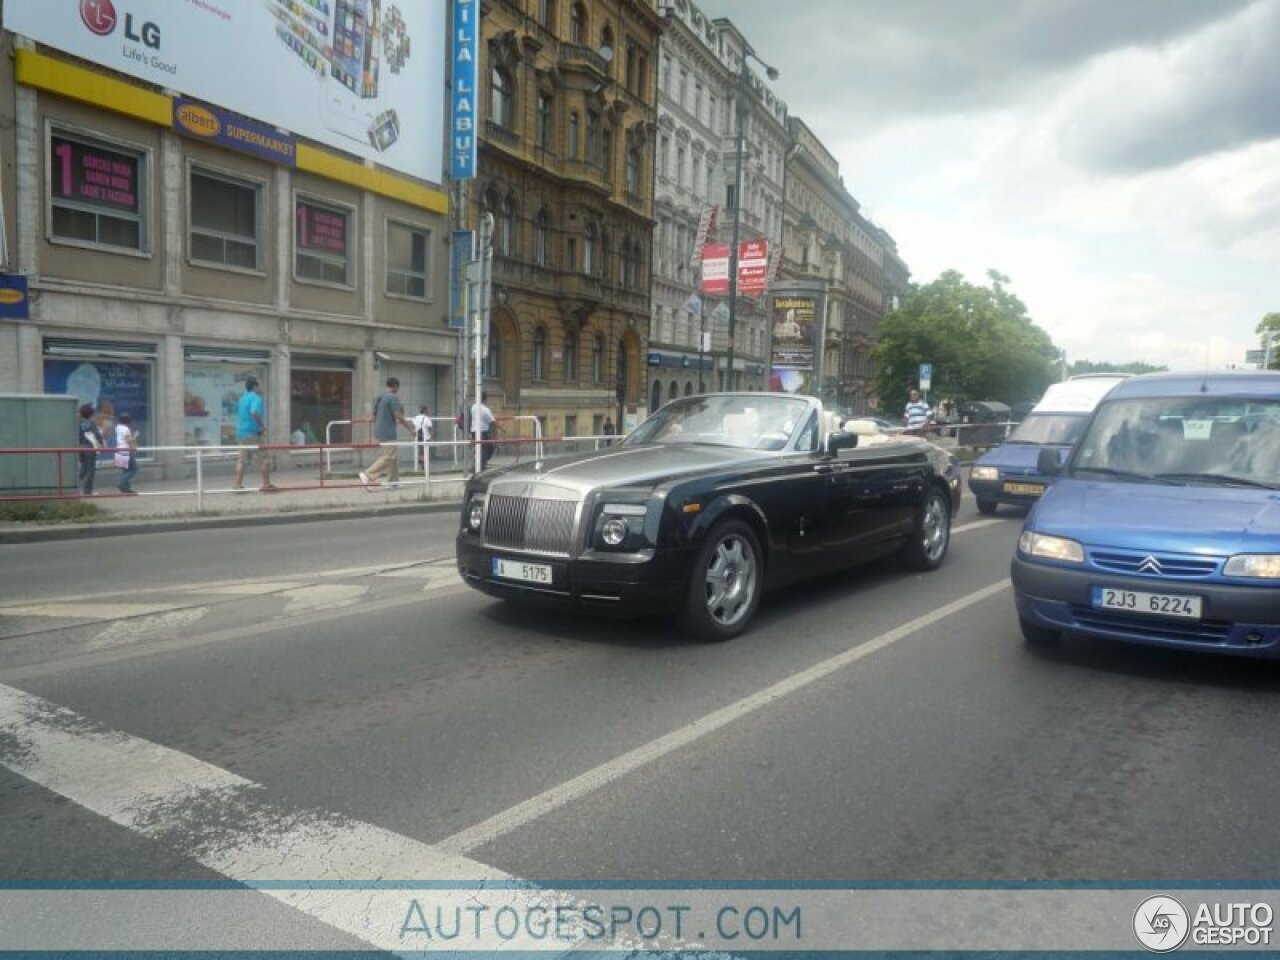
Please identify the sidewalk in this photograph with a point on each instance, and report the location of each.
(174, 505)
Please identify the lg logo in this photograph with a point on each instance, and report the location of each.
(98, 15)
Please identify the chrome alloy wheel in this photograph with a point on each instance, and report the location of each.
(731, 580)
(934, 528)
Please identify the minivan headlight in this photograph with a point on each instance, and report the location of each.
(1261, 566)
(984, 473)
(1050, 548)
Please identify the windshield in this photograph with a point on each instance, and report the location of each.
(1063, 428)
(1225, 440)
(748, 421)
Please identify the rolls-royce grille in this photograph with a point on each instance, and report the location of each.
(522, 523)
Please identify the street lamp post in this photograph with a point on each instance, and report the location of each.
(744, 76)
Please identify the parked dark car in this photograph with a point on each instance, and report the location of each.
(708, 503)
(983, 423)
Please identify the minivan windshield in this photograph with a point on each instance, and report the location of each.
(1045, 428)
(1231, 441)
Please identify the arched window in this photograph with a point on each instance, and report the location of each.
(506, 226)
(656, 402)
(541, 237)
(571, 358)
(501, 97)
(632, 182)
(606, 37)
(547, 13)
(540, 353)
(578, 24)
(688, 388)
(597, 360)
(589, 264)
(674, 390)
(493, 362)
(606, 272)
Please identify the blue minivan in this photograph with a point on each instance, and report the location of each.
(1163, 526)
(1010, 473)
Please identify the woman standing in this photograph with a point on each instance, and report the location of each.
(126, 457)
(91, 440)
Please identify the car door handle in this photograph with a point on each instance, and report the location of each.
(825, 468)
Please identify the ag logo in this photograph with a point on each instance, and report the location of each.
(1161, 924)
(98, 15)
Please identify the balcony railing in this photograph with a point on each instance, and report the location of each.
(497, 133)
(575, 54)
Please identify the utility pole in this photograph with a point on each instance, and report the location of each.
(479, 312)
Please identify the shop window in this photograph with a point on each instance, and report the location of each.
(407, 260)
(210, 397)
(322, 243)
(112, 386)
(225, 225)
(96, 193)
(318, 398)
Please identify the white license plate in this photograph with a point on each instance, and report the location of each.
(1024, 489)
(516, 570)
(1148, 604)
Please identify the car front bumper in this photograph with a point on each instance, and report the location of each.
(624, 584)
(1237, 620)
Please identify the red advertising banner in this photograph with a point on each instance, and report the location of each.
(715, 269)
(753, 267)
(708, 223)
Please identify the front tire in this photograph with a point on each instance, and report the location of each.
(927, 546)
(725, 583)
(987, 507)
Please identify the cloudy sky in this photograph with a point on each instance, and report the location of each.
(1118, 159)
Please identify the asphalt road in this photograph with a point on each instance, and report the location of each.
(875, 726)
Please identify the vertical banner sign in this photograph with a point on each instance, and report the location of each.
(460, 253)
(708, 222)
(715, 269)
(753, 267)
(462, 114)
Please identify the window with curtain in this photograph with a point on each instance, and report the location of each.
(540, 354)
(501, 97)
(541, 235)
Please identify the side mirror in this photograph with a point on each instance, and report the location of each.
(1048, 463)
(841, 441)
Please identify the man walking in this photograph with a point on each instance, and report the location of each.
(251, 425)
(916, 412)
(388, 413)
(483, 417)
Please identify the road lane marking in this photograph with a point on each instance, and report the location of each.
(124, 632)
(86, 611)
(977, 525)
(606, 773)
(221, 820)
(326, 596)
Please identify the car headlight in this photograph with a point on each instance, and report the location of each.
(620, 525)
(613, 531)
(475, 515)
(984, 473)
(1261, 566)
(1050, 548)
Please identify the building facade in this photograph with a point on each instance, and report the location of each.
(698, 85)
(847, 265)
(566, 169)
(166, 265)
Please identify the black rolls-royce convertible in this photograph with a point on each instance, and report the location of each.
(708, 503)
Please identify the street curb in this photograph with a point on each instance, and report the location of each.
(121, 528)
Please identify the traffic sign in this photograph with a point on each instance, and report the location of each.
(1255, 356)
(926, 376)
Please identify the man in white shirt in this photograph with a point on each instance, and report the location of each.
(917, 412)
(481, 415)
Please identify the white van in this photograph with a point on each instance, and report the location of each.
(1009, 473)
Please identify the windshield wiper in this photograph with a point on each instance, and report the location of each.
(1127, 475)
(1220, 478)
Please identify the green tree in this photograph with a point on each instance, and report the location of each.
(1135, 367)
(1270, 326)
(981, 342)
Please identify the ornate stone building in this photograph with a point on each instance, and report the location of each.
(841, 257)
(566, 169)
(698, 81)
